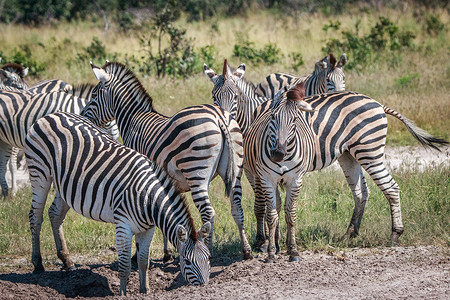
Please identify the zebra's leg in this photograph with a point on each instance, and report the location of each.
(199, 192)
(292, 191)
(260, 214)
(357, 183)
(124, 240)
(271, 216)
(13, 169)
(277, 231)
(5, 151)
(390, 189)
(57, 212)
(40, 186)
(238, 216)
(168, 254)
(143, 241)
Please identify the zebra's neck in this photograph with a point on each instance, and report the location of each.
(247, 102)
(167, 208)
(316, 83)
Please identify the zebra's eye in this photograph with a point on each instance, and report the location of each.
(187, 262)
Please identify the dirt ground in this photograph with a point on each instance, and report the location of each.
(377, 273)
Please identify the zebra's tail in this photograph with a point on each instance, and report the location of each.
(232, 167)
(421, 135)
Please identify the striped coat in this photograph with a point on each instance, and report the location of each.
(194, 145)
(114, 184)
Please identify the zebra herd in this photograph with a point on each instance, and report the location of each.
(276, 132)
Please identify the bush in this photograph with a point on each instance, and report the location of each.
(384, 37)
(245, 49)
(24, 57)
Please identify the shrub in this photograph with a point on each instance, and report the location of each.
(245, 49)
(384, 37)
(24, 57)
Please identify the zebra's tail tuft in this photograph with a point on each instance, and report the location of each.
(421, 135)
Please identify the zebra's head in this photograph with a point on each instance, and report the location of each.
(100, 109)
(11, 76)
(225, 92)
(194, 254)
(283, 118)
(335, 74)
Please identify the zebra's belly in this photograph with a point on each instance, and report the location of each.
(92, 207)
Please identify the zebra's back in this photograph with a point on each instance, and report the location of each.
(275, 82)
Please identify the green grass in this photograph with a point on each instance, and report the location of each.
(324, 209)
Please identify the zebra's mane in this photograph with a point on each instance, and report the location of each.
(14, 68)
(124, 74)
(83, 90)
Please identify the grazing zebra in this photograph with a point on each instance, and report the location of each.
(345, 126)
(194, 145)
(328, 76)
(11, 77)
(18, 111)
(278, 132)
(114, 184)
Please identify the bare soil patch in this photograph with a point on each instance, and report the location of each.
(393, 273)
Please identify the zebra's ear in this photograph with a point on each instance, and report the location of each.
(321, 65)
(204, 231)
(3, 74)
(303, 105)
(342, 61)
(240, 71)
(100, 73)
(25, 72)
(182, 233)
(210, 73)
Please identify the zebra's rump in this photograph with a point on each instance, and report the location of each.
(345, 121)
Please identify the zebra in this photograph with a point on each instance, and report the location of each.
(233, 93)
(315, 83)
(345, 126)
(18, 111)
(114, 184)
(11, 77)
(194, 145)
(269, 139)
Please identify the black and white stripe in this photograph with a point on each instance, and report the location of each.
(351, 128)
(328, 76)
(194, 145)
(106, 181)
(278, 149)
(18, 111)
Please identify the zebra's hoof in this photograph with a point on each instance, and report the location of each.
(270, 259)
(39, 270)
(167, 258)
(260, 247)
(294, 258)
(248, 255)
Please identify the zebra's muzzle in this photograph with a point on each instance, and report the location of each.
(278, 154)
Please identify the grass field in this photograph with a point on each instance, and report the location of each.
(325, 205)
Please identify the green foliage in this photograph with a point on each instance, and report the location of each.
(297, 60)
(434, 24)
(385, 37)
(407, 80)
(96, 51)
(24, 57)
(245, 49)
(331, 25)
